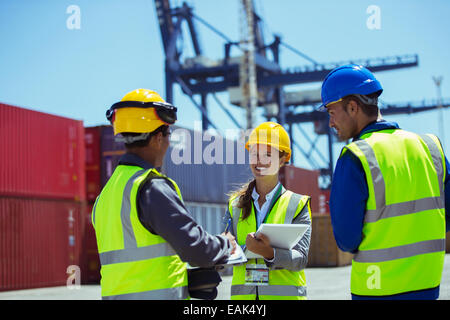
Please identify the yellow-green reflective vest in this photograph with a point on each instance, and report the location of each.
(135, 264)
(283, 284)
(403, 240)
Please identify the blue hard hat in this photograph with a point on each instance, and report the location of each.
(346, 80)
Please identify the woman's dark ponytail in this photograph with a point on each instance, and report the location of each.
(246, 200)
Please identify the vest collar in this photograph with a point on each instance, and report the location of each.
(269, 196)
(377, 126)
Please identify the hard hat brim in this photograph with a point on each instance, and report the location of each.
(288, 151)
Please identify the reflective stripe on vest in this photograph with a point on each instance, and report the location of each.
(400, 252)
(405, 237)
(136, 254)
(272, 290)
(153, 257)
(161, 294)
(284, 284)
(129, 239)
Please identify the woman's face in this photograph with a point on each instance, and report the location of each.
(265, 160)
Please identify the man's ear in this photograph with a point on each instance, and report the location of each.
(159, 139)
(155, 140)
(352, 107)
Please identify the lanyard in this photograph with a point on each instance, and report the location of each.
(274, 200)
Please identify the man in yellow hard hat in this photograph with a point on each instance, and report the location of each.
(144, 232)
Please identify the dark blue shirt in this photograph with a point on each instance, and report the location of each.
(349, 193)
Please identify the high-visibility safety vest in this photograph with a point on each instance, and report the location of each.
(135, 264)
(403, 237)
(283, 284)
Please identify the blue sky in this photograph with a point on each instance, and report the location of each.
(79, 73)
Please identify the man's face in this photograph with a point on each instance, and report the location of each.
(165, 140)
(162, 143)
(342, 121)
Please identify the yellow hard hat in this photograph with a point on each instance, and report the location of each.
(271, 134)
(140, 111)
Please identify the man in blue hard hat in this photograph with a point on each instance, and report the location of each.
(390, 194)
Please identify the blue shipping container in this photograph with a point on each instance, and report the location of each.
(206, 167)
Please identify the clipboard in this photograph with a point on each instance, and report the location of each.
(282, 236)
(238, 257)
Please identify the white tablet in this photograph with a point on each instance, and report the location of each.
(283, 236)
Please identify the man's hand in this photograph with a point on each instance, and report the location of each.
(259, 245)
(232, 240)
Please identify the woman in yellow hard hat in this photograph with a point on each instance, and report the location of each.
(277, 273)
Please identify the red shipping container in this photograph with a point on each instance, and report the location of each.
(102, 157)
(41, 155)
(302, 181)
(90, 266)
(93, 173)
(40, 239)
(324, 199)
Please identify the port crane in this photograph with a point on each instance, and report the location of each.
(255, 78)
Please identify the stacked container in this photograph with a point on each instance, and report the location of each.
(324, 199)
(102, 156)
(42, 197)
(323, 250)
(206, 167)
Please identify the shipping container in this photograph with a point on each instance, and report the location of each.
(39, 241)
(102, 156)
(323, 250)
(206, 167)
(41, 155)
(93, 172)
(90, 264)
(302, 181)
(324, 202)
(208, 215)
(111, 151)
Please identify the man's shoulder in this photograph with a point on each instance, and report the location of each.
(158, 184)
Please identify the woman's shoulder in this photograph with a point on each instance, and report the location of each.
(233, 198)
(288, 192)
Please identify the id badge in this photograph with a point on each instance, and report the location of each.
(257, 274)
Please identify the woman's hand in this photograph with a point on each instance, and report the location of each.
(259, 245)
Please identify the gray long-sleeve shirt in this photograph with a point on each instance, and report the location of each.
(162, 212)
(294, 259)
